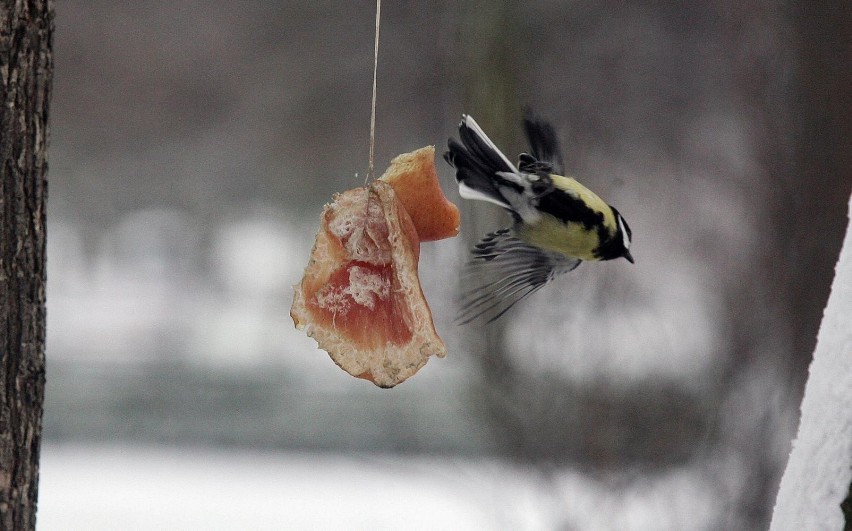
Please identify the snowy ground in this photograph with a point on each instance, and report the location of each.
(139, 488)
(136, 303)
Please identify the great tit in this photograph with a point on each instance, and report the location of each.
(558, 222)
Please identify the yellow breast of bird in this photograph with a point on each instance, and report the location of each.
(563, 229)
(570, 239)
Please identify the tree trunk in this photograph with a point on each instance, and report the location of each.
(815, 485)
(26, 69)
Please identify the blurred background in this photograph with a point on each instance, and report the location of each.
(193, 147)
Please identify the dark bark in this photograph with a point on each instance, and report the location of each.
(26, 68)
(824, 168)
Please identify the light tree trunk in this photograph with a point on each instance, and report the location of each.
(818, 474)
(26, 71)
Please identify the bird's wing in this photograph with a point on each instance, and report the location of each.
(544, 144)
(502, 271)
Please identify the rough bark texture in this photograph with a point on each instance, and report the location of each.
(26, 68)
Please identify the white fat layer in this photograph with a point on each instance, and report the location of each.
(471, 123)
(624, 232)
(335, 300)
(361, 231)
(366, 286)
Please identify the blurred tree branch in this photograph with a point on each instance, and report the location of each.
(488, 68)
(545, 418)
(26, 72)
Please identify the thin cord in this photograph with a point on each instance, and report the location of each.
(373, 110)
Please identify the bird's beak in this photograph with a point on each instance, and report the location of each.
(629, 256)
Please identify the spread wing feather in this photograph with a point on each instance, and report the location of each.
(503, 271)
(544, 144)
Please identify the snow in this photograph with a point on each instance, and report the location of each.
(155, 488)
(253, 256)
(819, 471)
(147, 487)
(148, 291)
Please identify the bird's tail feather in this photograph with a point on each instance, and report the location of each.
(481, 168)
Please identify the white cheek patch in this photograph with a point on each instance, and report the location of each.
(624, 235)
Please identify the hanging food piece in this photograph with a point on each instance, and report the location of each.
(415, 182)
(360, 296)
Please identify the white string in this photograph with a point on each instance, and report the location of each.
(373, 109)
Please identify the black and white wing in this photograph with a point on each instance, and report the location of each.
(504, 270)
(544, 147)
